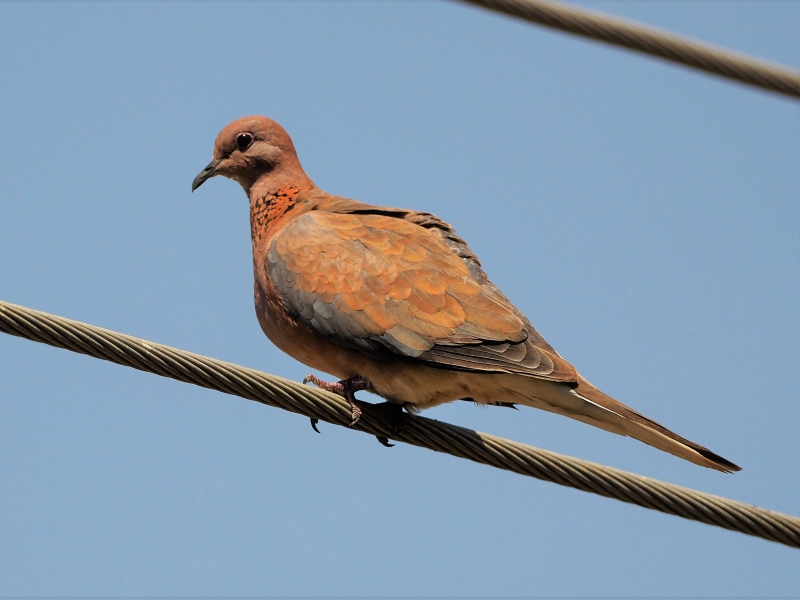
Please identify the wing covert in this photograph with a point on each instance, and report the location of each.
(386, 286)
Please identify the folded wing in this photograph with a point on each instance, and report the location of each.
(387, 286)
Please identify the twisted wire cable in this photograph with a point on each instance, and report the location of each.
(650, 40)
(419, 431)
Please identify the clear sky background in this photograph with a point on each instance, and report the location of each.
(645, 217)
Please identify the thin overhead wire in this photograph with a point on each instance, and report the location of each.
(419, 431)
(652, 41)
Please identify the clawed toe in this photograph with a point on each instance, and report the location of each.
(335, 387)
(392, 414)
(355, 411)
(346, 388)
(393, 418)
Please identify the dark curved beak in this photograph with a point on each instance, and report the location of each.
(206, 174)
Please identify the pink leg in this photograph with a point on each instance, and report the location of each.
(346, 388)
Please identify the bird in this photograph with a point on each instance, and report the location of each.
(394, 302)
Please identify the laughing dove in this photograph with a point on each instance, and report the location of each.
(393, 301)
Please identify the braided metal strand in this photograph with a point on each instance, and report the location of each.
(650, 40)
(426, 433)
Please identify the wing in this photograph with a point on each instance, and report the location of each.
(387, 286)
(446, 234)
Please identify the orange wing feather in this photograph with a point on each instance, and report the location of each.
(388, 286)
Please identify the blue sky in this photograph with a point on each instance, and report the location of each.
(645, 217)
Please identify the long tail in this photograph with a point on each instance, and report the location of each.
(645, 430)
(588, 404)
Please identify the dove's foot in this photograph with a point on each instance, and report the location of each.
(346, 388)
(393, 415)
(384, 440)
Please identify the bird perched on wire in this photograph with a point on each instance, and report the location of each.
(392, 301)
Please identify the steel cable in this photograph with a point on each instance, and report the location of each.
(419, 431)
(650, 40)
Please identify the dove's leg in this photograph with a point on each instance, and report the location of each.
(393, 415)
(346, 388)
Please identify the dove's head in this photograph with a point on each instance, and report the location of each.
(254, 150)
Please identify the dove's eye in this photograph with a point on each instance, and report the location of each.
(243, 140)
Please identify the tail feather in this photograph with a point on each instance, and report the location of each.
(648, 431)
(586, 403)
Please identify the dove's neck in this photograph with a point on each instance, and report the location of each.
(273, 201)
